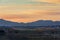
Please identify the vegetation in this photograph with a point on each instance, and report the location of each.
(37, 34)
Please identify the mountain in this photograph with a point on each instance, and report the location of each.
(9, 23)
(39, 23)
(43, 23)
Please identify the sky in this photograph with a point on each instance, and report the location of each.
(29, 10)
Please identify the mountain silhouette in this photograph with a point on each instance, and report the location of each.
(9, 23)
(35, 24)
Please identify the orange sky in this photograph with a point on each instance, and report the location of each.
(29, 10)
(51, 1)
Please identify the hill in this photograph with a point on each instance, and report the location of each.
(39, 23)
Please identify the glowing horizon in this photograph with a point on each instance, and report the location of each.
(29, 10)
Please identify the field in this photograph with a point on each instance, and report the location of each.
(30, 34)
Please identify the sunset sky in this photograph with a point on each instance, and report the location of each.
(29, 10)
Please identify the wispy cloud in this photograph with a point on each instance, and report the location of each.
(24, 2)
(54, 13)
(29, 10)
(50, 1)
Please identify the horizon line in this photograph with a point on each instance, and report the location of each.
(29, 22)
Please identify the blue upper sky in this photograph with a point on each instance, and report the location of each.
(14, 1)
(22, 2)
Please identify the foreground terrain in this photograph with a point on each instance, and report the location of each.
(30, 34)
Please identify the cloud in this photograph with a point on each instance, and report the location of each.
(19, 2)
(28, 1)
(29, 16)
(29, 10)
(50, 1)
(54, 13)
(14, 1)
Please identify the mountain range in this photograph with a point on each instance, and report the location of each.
(39, 23)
